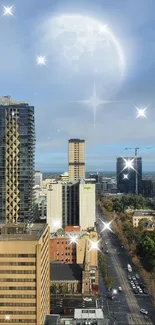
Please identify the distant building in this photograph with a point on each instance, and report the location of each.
(147, 187)
(149, 215)
(64, 177)
(76, 159)
(127, 184)
(38, 178)
(17, 147)
(24, 273)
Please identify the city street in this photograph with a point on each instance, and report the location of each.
(126, 308)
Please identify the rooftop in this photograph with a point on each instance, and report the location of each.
(22, 231)
(144, 213)
(65, 272)
(7, 101)
(91, 313)
(52, 320)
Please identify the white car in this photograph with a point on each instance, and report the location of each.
(144, 311)
(137, 276)
(140, 290)
(120, 289)
(87, 299)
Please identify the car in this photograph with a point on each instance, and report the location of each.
(133, 278)
(129, 277)
(106, 242)
(140, 290)
(107, 252)
(135, 291)
(137, 276)
(136, 283)
(145, 291)
(87, 299)
(120, 289)
(144, 311)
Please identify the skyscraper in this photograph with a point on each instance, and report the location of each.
(126, 177)
(17, 144)
(76, 159)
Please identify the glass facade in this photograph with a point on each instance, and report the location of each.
(17, 149)
(129, 185)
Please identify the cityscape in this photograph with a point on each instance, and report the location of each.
(77, 177)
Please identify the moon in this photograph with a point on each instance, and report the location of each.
(85, 47)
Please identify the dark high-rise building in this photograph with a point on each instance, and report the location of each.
(128, 177)
(17, 146)
(70, 204)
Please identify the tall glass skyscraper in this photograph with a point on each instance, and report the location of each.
(126, 177)
(17, 149)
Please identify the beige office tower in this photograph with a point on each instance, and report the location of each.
(76, 159)
(24, 273)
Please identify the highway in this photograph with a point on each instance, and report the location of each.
(126, 308)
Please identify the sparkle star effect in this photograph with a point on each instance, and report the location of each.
(125, 176)
(8, 11)
(41, 60)
(56, 224)
(141, 112)
(107, 225)
(94, 102)
(7, 317)
(94, 245)
(128, 163)
(73, 240)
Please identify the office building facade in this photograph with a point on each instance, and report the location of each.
(76, 159)
(71, 204)
(87, 205)
(17, 147)
(24, 273)
(126, 177)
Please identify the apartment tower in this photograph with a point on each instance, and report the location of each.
(24, 273)
(17, 145)
(76, 159)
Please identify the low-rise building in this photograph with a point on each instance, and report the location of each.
(149, 215)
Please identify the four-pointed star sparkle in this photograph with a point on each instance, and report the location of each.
(94, 245)
(73, 240)
(141, 112)
(129, 163)
(56, 224)
(8, 11)
(125, 176)
(94, 102)
(7, 317)
(107, 225)
(41, 60)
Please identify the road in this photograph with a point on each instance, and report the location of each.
(126, 309)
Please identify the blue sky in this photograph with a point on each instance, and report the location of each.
(54, 89)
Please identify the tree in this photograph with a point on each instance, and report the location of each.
(108, 205)
(142, 223)
(53, 288)
(109, 282)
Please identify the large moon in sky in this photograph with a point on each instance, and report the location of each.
(85, 47)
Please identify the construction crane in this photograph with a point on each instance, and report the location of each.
(136, 152)
(136, 149)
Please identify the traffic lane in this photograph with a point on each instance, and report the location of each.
(132, 302)
(141, 298)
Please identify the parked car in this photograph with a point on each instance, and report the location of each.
(144, 311)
